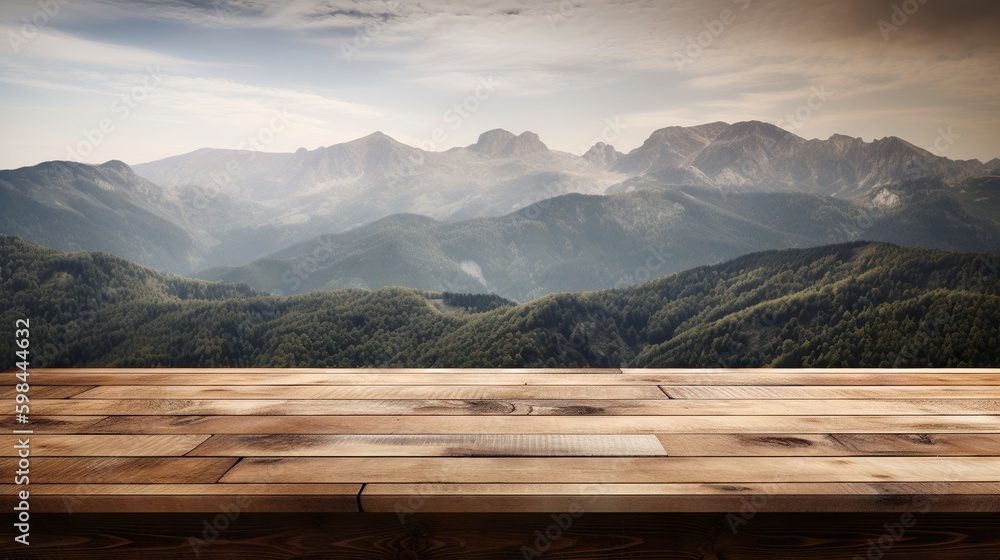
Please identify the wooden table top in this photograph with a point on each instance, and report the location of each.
(610, 440)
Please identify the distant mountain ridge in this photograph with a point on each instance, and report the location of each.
(106, 207)
(754, 155)
(577, 243)
(212, 208)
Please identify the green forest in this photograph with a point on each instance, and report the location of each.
(850, 305)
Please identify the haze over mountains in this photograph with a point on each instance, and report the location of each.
(493, 216)
(585, 242)
(846, 305)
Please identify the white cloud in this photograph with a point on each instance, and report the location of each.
(560, 67)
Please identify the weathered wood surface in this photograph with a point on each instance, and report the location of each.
(139, 463)
(493, 424)
(504, 407)
(447, 445)
(513, 440)
(517, 470)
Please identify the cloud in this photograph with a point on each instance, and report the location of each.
(560, 66)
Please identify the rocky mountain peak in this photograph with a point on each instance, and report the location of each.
(117, 166)
(524, 144)
(760, 129)
(491, 142)
(602, 154)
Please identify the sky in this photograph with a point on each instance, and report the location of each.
(140, 80)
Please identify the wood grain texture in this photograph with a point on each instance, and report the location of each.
(179, 498)
(821, 445)
(396, 407)
(110, 470)
(383, 392)
(238, 447)
(45, 391)
(487, 445)
(116, 445)
(51, 424)
(539, 424)
(694, 497)
(429, 536)
(834, 392)
(610, 470)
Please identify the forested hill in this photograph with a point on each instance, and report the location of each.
(861, 305)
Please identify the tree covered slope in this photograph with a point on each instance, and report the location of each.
(859, 305)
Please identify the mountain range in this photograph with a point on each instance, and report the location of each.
(576, 243)
(504, 214)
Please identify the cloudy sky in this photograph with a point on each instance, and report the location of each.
(139, 80)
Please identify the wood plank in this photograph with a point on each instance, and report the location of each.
(208, 498)
(51, 424)
(487, 445)
(829, 445)
(294, 377)
(382, 392)
(45, 391)
(834, 392)
(614, 470)
(140, 470)
(460, 536)
(663, 406)
(538, 424)
(694, 497)
(45, 445)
